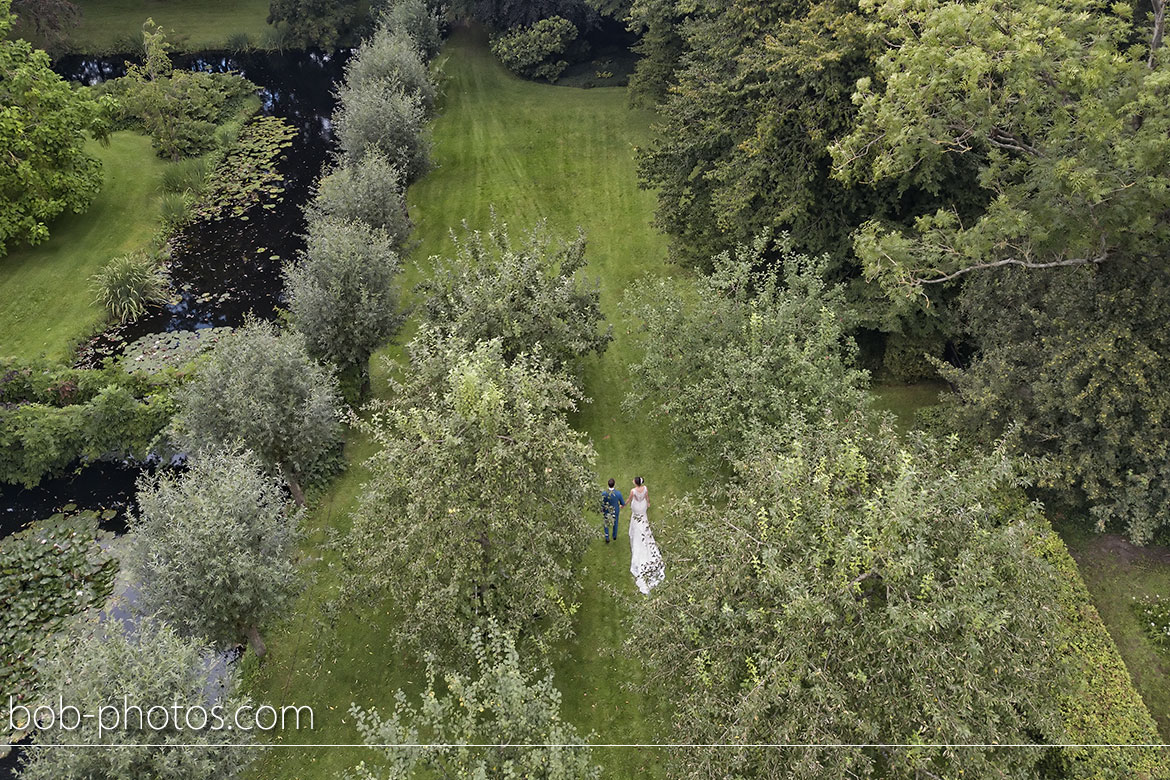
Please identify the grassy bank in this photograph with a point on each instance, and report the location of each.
(1116, 574)
(46, 304)
(108, 25)
(532, 151)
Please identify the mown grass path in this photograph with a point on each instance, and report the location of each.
(532, 152)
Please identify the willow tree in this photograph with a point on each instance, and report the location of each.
(212, 549)
(260, 389)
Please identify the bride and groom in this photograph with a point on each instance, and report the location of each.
(645, 559)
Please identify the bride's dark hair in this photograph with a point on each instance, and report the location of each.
(638, 481)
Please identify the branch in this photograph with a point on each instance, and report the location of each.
(1013, 261)
(1159, 25)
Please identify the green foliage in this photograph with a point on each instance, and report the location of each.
(48, 572)
(525, 293)
(372, 190)
(532, 52)
(511, 14)
(260, 389)
(1154, 614)
(1101, 705)
(384, 117)
(43, 126)
(855, 589)
(745, 352)
(746, 150)
(414, 18)
(1067, 122)
(248, 173)
(343, 292)
(127, 285)
(502, 706)
(1076, 357)
(186, 176)
(392, 57)
(178, 108)
(119, 419)
(239, 42)
(211, 549)
(108, 664)
(321, 23)
(56, 385)
(446, 530)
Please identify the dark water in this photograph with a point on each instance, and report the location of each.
(215, 264)
(223, 270)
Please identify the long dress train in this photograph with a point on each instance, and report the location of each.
(646, 562)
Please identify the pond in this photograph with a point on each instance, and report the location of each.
(224, 270)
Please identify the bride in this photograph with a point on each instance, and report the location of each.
(645, 560)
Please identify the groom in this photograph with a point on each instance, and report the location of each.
(612, 502)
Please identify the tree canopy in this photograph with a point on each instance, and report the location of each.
(525, 292)
(110, 664)
(260, 389)
(504, 705)
(852, 588)
(475, 505)
(212, 548)
(44, 124)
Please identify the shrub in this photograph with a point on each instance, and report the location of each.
(175, 209)
(391, 57)
(415, 19)
(526, 293)
(533, 51)
(129, 284)
(387, 118)
(372, 191)
(260, 388)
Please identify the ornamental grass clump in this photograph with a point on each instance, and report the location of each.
(128, 284)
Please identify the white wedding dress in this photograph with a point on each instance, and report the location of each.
(645, 559)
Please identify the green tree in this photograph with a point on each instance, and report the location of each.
(178, 108)
(43, 127)
(760, 91)
(260, 388)
(1076, 358)
(322, 23)
(534, 52)
(417, 20)
(392, 57)
(343, 293)
(504, 705)
(372, 190)
(1067, 123)
(858, 588)
(384, 117)
(525, 293)
(111, 665)
(744, 351)
(211, 549)
(475, 504)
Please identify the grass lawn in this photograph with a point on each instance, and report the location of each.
(533, 151)
(45, 301)
(197, 24)
(905, 400)
(1116, 574)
